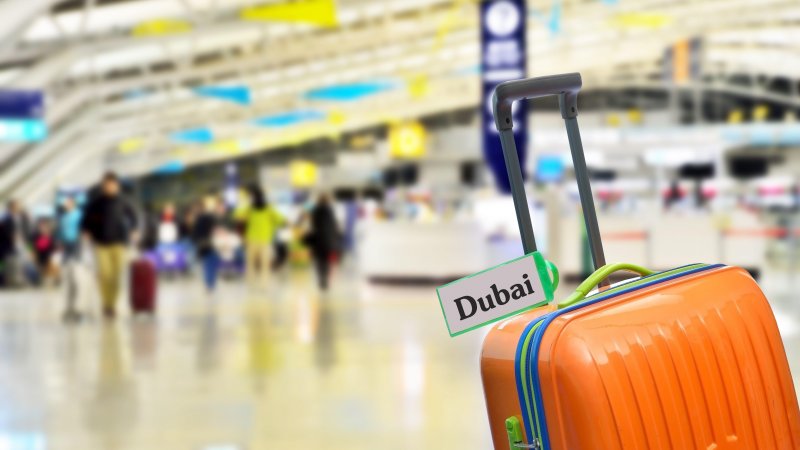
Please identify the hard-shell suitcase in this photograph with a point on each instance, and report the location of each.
(143, 286)
(689, 358)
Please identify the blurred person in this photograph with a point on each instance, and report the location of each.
(172, 255)
(13, 235)
(43, 243)
(228, 243)
(168, 227)
(206, 226)
(674, 195)
(149, 240)
(223, 214)
(261, 222)
(323, 239)
(281, 252)
(69, 230)
(187, 221)
(109, 223)
(74, 271)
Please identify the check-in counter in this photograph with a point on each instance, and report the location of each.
(680, 239)
(569, 254)
(445, 251)
(398, 251)
(668, 240)
(625, 239)
(745, 239)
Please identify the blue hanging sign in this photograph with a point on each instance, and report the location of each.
(503, 58)
(202, 135)
(290, 118)
(22, 130)
(349, 91)
(16, 104)
(233, 94)
(170, 168)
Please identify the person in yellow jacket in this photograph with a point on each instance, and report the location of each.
(261, 222)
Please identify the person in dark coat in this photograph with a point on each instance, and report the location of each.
(204, 226)
(109, 222)
(149, 240)
(13, 233)
(5, 252)
(323, 239)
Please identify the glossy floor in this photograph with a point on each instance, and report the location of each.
(364, 367)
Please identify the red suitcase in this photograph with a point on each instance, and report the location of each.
(143, 286)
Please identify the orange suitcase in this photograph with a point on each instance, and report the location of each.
(689, 358)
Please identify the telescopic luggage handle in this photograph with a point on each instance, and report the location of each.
(566, 87)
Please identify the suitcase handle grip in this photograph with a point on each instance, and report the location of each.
(566, 86)
(596, 278)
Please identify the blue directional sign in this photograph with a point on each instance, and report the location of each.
(503, 58)
(202, 135)
(349, 91)
(22, 130)
(18, 104)
(170, 168)
(234, 94)
(290, 118)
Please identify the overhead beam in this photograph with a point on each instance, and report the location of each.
(17, 16)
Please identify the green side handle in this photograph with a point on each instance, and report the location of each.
(553, 273)
(599, 275)
(514, 432)
(548, 274)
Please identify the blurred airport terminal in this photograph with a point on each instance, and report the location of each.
(302, 174)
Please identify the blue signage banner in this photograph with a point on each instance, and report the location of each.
(202, 135)
(234, 94)
(22, 130)
(16, 104)
(503, 58)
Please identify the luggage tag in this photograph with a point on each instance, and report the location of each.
(497, 293)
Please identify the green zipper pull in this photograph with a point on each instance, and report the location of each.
(515, 438)
(514, 431)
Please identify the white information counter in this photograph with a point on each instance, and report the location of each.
(421, 251)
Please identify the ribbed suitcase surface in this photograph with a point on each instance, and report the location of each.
(691, 363)
(689, 358)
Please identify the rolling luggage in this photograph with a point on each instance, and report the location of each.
(143, 286)
(689, 358)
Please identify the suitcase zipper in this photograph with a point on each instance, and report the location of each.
(536, 444)
(530, 413)
(515, 437)
(528, 376)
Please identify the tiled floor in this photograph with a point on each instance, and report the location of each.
(363, 368)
